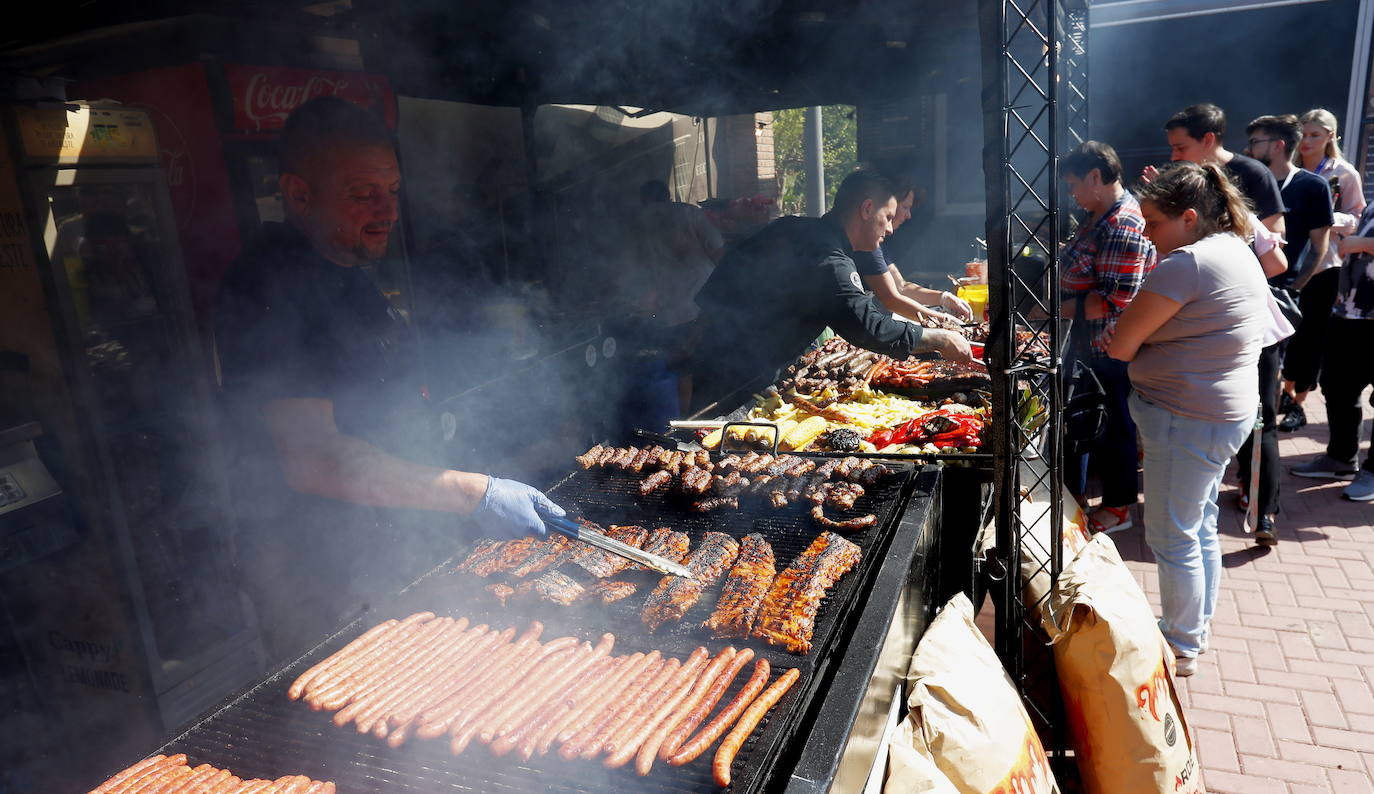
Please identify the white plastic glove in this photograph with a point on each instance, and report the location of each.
(956, 306)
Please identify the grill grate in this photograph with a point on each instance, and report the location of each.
(263, 734)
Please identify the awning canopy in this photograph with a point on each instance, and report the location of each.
(701, 57)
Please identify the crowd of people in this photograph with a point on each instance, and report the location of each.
(1211, 299)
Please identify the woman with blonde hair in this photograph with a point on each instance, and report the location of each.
(1318, 151)
(1192, 335)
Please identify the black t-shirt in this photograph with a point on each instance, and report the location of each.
(1308, 199)
(1257, 183)
(291, 324)
(774, 293)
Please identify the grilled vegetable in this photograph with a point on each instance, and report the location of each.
(804, 432)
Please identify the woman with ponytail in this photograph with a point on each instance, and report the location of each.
(1192, 337)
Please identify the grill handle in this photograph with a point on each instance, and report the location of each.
(725, 433)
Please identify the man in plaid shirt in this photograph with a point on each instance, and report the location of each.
(1100, 269)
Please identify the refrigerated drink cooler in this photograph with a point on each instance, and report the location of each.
(133, 625)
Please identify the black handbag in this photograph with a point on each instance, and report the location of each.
(1085, 400)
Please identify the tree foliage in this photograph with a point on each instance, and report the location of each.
(839, 152)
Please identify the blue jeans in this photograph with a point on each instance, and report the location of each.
(1184, 462)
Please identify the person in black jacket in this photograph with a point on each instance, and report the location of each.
(776, 292)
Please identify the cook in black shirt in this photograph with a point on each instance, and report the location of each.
(1195, 134)
(1307, 198)
(774, 293)
(340, 494)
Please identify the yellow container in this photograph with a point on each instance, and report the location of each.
(977, 297)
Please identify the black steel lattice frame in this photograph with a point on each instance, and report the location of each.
(1035, 108)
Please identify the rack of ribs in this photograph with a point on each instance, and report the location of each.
(788, 615)
(554, 550)
(676, 594)
(611, 592)
(666, 543)
(745, 588)
(600, 563)
(554, 586)
(510, 554)
(486, 550)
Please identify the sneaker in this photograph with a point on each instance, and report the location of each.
(1184, 666)
(1294, 419)
(1325, 467)
(1243, 502)
(1286, 402)
(1266, 534)
(1362, 489)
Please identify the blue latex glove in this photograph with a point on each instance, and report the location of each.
(513, 509)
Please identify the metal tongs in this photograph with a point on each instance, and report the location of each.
(572, 529)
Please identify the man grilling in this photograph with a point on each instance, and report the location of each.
(779, 290)
(340, 491)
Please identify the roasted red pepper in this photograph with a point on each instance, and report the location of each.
(944, 428)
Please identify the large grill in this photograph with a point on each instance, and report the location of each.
(262, 733)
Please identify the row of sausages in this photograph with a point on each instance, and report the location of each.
(432, 677)
(171, 773)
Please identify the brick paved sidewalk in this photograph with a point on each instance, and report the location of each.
(1284, 700)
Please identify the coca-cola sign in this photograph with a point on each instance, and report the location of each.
(265, 95)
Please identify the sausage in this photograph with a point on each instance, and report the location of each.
(601, 676)
(725, 754)
(385, 664)
(342, 679)
(120, 777)
(708, 735)
(603, 707)
(669, 713)
(524, 734)
(708, 692)
(509, 714)
(200, 774)
(422, 651)
(449, 645)
(303, 682)
(434, 720)
(509, 722)
(632, 710)
(494, 680)
(548, 724)
(587, 708)
(425, 687)
(621, 748)
(380, 641)
(166, 779)
(214, 781)
(144, 773)
(491, 702)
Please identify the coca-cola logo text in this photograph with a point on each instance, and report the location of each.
(265, 100)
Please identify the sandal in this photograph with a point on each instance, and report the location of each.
(1120, 519)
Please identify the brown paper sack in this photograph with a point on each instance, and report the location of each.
(966, 715)
(1116, 673)
(909, 769)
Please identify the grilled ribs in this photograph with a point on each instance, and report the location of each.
(486, 550)
(788, 615)
(745, 589)
(668, 544)
(510, 554)
(555, 586)
(611, 592)
(500, 591)
(600, 563)
(551, 552)
(676, 594)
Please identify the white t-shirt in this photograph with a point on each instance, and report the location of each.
(1352, 203)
